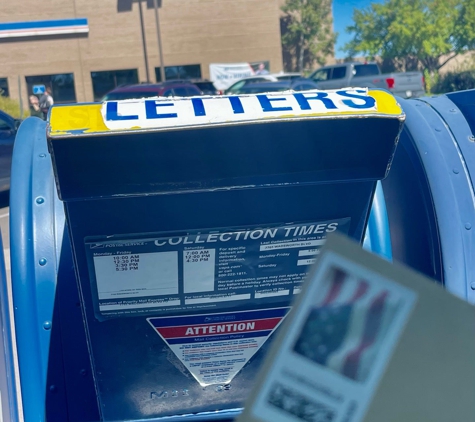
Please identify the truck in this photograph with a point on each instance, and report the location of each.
(351, 74)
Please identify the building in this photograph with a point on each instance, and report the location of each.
(84, 48)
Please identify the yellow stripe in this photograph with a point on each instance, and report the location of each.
(78, 118)
(386, 103)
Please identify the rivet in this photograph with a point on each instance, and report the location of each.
(472, 286)
(83, 372)
(453, 110)
(40, 200)
(471, 138)
(468, 226)
(42, 155)
(438, 129)
(456, 171)
(47, 325)
(42, 261)
(52, 388)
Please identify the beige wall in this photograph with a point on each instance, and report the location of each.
(193, 32)
(459, 63)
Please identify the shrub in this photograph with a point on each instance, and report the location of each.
(455, 81)
(10, 106)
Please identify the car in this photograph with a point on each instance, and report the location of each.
(274, 77)
(163, 89)
(204, 85)
(283, 76)
(8, 129)
(300, 84)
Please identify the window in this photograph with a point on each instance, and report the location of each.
(366, 70)
(339, 72)
(321, 75)
(62, 86)
(236, 87)
(189, 71)
(180, 92)
(304, 87)
(4, 92)
(105, 81)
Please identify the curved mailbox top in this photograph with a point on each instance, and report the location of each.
(161, 113)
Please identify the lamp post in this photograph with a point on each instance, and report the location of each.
(144, 42)
(160, 51)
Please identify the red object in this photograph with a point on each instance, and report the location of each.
(390, 82)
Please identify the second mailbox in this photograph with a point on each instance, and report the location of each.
(193, 224)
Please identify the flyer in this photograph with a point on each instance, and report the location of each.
(332, 351)
(368, 340)
(203, 270)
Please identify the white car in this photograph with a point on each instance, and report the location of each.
(272, 77)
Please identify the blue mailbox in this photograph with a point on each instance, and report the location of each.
(430, 191)
(159, 242)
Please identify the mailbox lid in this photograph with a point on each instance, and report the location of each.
(291, 138)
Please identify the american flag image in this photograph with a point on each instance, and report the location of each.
(344, 331)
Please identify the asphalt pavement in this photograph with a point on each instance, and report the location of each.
(5, 229)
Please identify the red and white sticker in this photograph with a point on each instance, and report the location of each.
(215, 347)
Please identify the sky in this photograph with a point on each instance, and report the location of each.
(343, 17)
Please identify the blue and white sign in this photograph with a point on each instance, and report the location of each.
(205, 270)
(39, 89)
(197, 111)
(41, 28)
(224, 75)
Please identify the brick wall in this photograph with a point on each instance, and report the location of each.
(193, 32)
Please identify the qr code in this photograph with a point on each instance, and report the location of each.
(296, 404)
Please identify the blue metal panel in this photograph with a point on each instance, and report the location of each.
(36, 239)
(53, 357)
(454, 194)
(430, 195)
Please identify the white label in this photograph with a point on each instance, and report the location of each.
(136, 275)
(290, 245)
(198, 269)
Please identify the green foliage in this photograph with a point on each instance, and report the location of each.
(414, 34)
(431, 80)
(455, 81)
(307, 32)
(10, 106)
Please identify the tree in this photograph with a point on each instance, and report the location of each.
(414, 34)
(307, 32)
